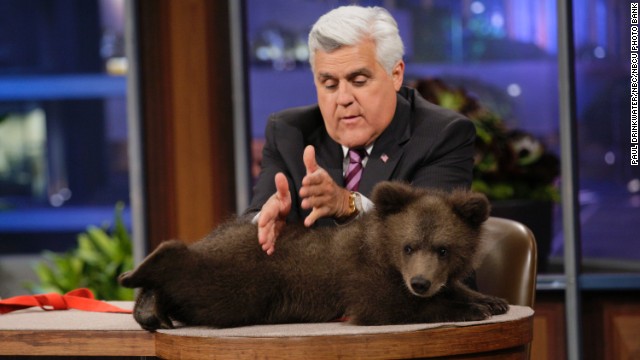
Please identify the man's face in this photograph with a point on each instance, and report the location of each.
(357, 97)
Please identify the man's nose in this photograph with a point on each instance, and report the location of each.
(345, 96)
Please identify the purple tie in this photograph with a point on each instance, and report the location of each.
(354, 171)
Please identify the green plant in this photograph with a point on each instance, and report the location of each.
(508, 164)
(100, 256)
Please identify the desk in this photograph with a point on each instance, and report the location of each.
(76, 333)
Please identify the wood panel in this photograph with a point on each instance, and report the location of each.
(155, 99)
(624, 336)
(610, 325)
(187, 117)
(548, 327)
(614, 321)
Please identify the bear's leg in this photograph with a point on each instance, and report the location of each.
(149, 311)
(495, 305)
(459, 303)
(151, 272)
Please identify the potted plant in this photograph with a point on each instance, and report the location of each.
(511, 167)
(101, 255)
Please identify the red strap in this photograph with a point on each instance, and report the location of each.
(80, 299)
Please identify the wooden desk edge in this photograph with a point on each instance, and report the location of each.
(511, 336)
(504, 337)
(77, 343)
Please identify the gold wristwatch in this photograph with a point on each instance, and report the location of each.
(354, 206)
(353, 210)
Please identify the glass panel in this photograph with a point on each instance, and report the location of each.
(609, 183)
(497, 55)
(63, 131)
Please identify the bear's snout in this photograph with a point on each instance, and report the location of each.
(420, 285)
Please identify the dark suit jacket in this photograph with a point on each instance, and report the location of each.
(424, 145)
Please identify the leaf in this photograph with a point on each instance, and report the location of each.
(96, 263)
(104, 244)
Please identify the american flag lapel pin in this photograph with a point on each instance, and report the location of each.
(384, 158)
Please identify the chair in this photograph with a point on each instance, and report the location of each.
(508, 269)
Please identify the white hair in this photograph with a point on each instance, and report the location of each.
(350, 25)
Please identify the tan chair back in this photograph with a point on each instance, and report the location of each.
(508, 269)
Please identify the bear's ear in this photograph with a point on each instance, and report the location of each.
(473, 207)
(390, 197)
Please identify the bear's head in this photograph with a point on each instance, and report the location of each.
(431, 237)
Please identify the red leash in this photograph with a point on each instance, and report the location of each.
(80, 299)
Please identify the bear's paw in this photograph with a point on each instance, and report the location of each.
(496, 305)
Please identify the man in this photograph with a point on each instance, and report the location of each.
(356, 59)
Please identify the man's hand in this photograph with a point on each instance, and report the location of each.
(273, 215)
(320, 193)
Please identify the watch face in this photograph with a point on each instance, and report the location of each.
(352, 203)
(357, 202)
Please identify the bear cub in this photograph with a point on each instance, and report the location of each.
(404, 262)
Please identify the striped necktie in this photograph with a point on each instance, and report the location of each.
(354, 170)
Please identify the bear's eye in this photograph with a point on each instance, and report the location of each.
(408, 249)
(443, 252)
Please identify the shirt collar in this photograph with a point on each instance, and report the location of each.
(345, 150)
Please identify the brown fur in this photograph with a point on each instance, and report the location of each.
(402, 263)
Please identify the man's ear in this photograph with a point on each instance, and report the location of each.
(397, 74)
(390, 197)
(472, 207)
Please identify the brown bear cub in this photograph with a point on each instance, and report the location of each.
(401, 263)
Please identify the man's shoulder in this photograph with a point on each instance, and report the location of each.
(302, 120)
(426, 114)
(426, 110)
(297, 115)
(428, 118)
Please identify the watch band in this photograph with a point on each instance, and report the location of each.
(353, 209)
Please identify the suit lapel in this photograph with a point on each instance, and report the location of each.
(388, 149)
(328, 154)
(379, 168)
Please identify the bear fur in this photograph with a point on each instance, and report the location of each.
(401, 263)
